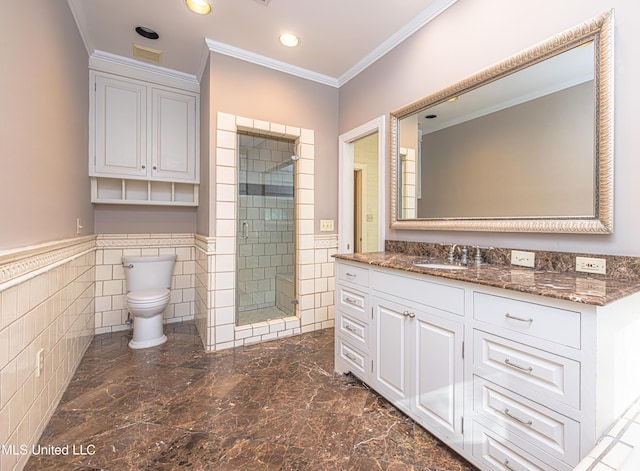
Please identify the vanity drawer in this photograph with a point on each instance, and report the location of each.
(538, 320)
(444, 297)
(352, 301)
(355, 360)
(354, 330)
(548, 430)
(526, 370)
(352, 274)
(498, 454)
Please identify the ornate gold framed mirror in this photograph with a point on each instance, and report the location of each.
(525, 145)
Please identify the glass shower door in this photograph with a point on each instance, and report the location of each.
(265, 278)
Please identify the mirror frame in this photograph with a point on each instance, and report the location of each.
(600, 31)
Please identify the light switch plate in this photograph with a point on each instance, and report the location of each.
(523, 259)
(326, 225)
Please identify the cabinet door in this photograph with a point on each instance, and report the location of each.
(391, 367)
(173, 147)
(438, 360)
(121, 128)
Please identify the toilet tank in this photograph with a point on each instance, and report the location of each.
(148, 272)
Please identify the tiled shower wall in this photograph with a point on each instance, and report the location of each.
(216, 256)
(46, 302)
(111, 290)
(214, 286)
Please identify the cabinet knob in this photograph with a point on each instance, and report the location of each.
(155, 168)
(143, 167)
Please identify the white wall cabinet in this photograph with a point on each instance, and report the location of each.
(142, 131)
(509, 380)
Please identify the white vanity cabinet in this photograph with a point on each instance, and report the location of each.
(417, 349)
(142, 132)
(527, 371)
(509, 380)
(411, 344)
(352, 321)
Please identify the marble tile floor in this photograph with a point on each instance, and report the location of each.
(271, 406)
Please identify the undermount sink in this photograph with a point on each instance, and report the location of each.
(439, 266)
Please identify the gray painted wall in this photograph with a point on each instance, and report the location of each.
(244, 89)
(474, 34)
(44, 128)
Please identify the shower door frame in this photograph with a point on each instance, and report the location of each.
(242, 223)
(221, 321)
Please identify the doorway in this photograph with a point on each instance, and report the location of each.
(362, 211)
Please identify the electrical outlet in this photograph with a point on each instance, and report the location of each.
(591, 265)
(39, 362)
(326, 225)
(523, 259)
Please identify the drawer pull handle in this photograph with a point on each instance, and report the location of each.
(506, 465)
(351, 300)
(508, 362)
(351, 275)
(528, 423)
(350, 329)
(351, 357)
(516, 318)
(409, 314)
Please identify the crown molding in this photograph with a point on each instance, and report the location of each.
(81, 22)
(112, 63)
(247, 56)
(434, 10)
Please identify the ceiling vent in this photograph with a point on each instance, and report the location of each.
(147, 54)
(264, 2)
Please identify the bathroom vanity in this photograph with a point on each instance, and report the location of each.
(512, 368)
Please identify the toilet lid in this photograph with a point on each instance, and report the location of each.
(148, 294)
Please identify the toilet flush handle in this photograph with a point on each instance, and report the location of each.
(128, 266)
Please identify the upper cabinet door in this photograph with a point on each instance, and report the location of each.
(173, 146)
(121, 127)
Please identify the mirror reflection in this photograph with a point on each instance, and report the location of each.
(522, 146)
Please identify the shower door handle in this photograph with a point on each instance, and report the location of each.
(245, 230)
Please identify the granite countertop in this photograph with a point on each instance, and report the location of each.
(596, 290)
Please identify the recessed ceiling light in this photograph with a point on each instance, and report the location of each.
(147, 32)
(200, 7)
(289, 40)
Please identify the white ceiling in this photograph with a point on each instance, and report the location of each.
(338, 38)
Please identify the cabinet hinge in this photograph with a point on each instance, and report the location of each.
(371, 312)
(372, 366)
(463, 349)
(462, 424)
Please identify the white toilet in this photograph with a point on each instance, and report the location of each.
(148, 294)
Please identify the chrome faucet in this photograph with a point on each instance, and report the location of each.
(464, 254)
(452, 253)
(478, 256)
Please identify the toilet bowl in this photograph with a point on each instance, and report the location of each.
(148, 294)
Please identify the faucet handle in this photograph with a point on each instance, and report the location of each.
(464, 259)
(478, 256)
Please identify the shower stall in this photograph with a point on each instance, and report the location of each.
(265, 252)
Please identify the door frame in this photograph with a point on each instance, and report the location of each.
(345, 182)
(362, 170)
